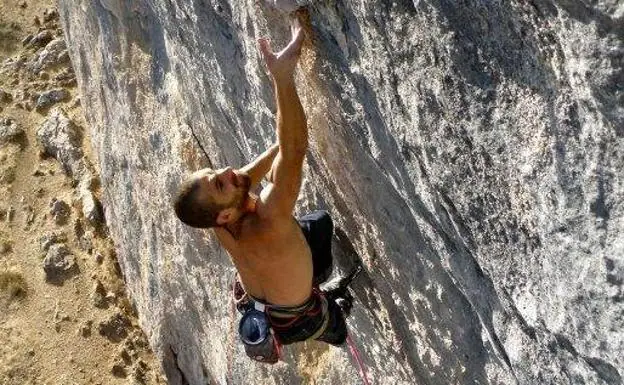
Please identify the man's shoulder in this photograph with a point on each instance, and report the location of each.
(264, 226)
(268, 219)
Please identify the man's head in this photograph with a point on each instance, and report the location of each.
(212, 198)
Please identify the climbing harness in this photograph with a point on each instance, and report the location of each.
(257, 333)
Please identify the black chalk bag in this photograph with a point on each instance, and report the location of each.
(257, 336)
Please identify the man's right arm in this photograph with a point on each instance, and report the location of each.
(279, 198)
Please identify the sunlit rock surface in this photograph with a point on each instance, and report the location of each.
(471, 153)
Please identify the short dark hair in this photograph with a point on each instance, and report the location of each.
(193, 213)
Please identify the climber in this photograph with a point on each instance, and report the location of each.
(280, 261)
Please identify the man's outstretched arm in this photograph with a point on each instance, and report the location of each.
(292, 132)
(260, 166)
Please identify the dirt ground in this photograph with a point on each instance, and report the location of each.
(76, 327)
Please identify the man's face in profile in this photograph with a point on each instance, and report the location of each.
(225, 187)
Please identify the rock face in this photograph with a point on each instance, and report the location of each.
(471, 154)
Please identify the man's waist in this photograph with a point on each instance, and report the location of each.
(245, 300)
(283, 311)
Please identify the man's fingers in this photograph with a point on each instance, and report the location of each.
(294, 47)
(265, 49)
(298, 35)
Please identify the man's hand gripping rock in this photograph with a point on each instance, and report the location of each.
(282, 65)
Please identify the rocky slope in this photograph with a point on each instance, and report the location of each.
(64, 316)
(470, 152)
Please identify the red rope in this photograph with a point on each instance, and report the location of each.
(358, 359)
(230, 354)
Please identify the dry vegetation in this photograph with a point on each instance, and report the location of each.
(12, 284)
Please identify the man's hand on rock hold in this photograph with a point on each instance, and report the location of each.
(281, 65)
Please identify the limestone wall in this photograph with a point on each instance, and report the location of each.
(470, 152)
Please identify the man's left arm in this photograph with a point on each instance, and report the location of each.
(260, 166)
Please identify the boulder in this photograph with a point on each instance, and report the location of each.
(54, 54)
(50, 98)
(62, 139)
(51, 238)
(115, 327)
(91, 208)
(59, 264)
(60, 211)
(40, 39)
(470, 152)
(10, 132)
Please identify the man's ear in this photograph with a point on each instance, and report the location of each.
(224, 216)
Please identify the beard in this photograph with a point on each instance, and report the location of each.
(243, 184)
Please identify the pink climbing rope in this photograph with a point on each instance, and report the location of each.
(230, 354)
(358, 359)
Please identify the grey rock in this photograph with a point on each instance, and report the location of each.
(53, 55)
(98, 295)
(115, 328)
(471, 154)
(10, 132)
(51, 238)
(61, 138)
(59, 263)
(60, 211)
(91, 208)
(287, 6)
(27, 40)
(41, 39)
(86, 241)
(50, 98)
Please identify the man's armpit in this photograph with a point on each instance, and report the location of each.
(271, 173)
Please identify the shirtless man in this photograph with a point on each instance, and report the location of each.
(272, 252)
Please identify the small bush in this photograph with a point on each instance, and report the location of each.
(6, 245)
(9, 36)
(12, 283)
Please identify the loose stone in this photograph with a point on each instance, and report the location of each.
(49, 98)
(115, 327)
(49, 239)
(59, 263)
(10, 132)
(60, 211)
(98, 296)
(41, 39)
(61, 138)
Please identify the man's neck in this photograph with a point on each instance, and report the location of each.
(250, 204)
(249, 207)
